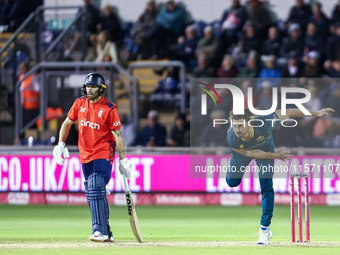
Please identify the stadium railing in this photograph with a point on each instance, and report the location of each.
(34, 23)
(62, 69)
(140, 150)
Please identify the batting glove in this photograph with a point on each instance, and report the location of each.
(60, 150)
(125, 168)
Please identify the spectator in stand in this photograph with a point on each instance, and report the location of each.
(232, 22)
(312, 65)
(251, 69)
(294, 83)
(185, 48)
(333, 48)
(30, 94)
(5, 11)
(334, 69)
(281, 133)
(109, 22)
(227, 100)
(293, 69)
(219, 131)
(227, 69)
(334, 102)
(332, 134)
(2, 6)
(203, 70)
(106, 50)
(272, 45)
(259, 17)
(92, 16)
(92, 52)
(145, 23)
(197, 120)
(169, 23)
(265, 99)
(208, 44)
(14, 12)
(179, 135)
(300, 14)
(320, 19)
(335, 17)
(322, 124)
(92, 19)
(245, 85)
(250, 41)
(314, 104)
(293, 44)
(152, 134)
(269, 73)
(313, 40)
(128, 129)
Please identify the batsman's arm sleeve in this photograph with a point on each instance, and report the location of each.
(256, 154)
(119, 142)
(64, 130)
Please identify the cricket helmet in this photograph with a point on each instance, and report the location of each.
(94, 79)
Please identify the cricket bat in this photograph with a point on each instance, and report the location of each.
(132, 212)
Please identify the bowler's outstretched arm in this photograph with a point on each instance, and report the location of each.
(299, 113)
(282, 154)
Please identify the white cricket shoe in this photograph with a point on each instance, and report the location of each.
(111, 239)
(264, 237)
(99, 237)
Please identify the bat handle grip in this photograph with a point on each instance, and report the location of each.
(126, 185)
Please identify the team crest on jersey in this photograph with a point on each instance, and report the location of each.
(82, 109)
(260, 138)
(100, 113)
(241, 146)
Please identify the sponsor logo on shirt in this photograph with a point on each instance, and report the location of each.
(260, 138)
(87, 123)
(82, 109)
(117, 123)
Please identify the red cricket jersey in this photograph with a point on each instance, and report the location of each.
(95, 123)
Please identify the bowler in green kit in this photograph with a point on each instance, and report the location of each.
(255, 141)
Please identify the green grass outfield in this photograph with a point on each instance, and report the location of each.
(48, 229)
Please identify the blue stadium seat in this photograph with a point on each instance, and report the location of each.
(24, 142)
(199, 25)
(217, 27)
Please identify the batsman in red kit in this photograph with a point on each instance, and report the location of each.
(99, 133)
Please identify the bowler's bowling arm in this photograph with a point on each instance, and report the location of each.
(282, 154)
(119, 143)
(256, 154)
(298, 113)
